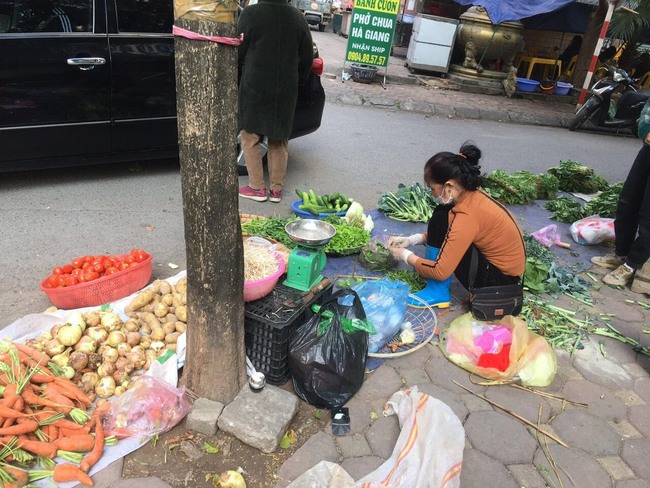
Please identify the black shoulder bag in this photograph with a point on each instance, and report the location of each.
(494, 302)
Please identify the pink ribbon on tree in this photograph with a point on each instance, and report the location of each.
(231, 41)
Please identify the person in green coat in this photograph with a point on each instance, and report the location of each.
(275, 55)
(632, 220)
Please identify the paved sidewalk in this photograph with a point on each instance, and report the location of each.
(430, 94)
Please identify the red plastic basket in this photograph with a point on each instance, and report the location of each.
(102, 290)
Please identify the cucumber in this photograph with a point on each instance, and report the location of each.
(312, 197)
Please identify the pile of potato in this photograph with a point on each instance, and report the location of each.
(101, 352)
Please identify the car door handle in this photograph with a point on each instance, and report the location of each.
(86, 64)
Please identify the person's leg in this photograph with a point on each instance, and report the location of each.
(278, 155)
(437, 227)
(250, 144)
(486, 273)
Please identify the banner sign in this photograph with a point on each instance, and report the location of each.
(371, 31)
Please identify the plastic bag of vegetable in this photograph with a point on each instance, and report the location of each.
(384, 302)
(150, 406)
(375, 256)
(328, 369)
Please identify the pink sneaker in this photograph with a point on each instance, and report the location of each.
(275, 196)
(252, 194)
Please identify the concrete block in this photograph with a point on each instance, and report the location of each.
(635, 454)
(259, 419)
(319, 447)
(480, 471)
(204, 416)
(579, 429)
(358, 467)
(486, 433)
(574, 466)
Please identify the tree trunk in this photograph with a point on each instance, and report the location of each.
(206, 86)
(589, 41)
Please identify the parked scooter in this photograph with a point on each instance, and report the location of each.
(603, 111)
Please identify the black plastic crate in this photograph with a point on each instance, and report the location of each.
(269, 324)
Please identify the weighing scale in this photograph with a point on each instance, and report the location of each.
(307, 260)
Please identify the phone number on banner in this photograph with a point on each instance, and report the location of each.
(367, 58)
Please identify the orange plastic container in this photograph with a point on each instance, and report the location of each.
(102, 290)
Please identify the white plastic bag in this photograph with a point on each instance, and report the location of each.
(429, 450)
(592, 230)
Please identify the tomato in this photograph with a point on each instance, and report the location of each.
(114, 260)
(60, 281)
(88, 259)
(70, 280)
(67, 269)
(77, 263)
(91, 275)
(53, 281)
(97, 266)
(77, 272)
(58, 270)
(111, 270)
(130, 259)
(141, 256)
(47, 285)
(124, 265)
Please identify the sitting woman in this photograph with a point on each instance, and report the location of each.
(467, 225)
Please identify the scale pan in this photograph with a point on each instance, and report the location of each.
(310, 232)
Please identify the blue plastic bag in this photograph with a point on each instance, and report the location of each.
(384, 302)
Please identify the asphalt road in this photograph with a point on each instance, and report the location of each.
(51, 216)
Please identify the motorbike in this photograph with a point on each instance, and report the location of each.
(602, 109)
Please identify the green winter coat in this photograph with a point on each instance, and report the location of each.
(275, 55)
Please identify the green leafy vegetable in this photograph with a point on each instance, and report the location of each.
(270, 227)
(376, 257)
(409, 204)
(520, 187)
(535, 276)
(410, 277)
(565, 209)
(537, 251)
(605, 203)
(575, 177)
(348, 239)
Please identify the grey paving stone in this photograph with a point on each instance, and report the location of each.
(259, 419)
(349, 99)
(480, 471)
(468, 112)
(622, 311)
(495, 115)
(414, 377)
(452, 400)
(526, 475)
(382, 435)
(602, 401)
(443, 110)
(474, 403)
(415, 360)
(381, 384)
(632, 484)
(109, 475)
(148, 482)
(616, 468)
(522, 402)
(579, 429)
(204, 416)
(580, 466)
(642, 388)
(635, 370)
(358, 467)
(601, 370)
(353, 446)
(635, 454)
(625, 429)
(443, 372)
(412, 106)
(618, 351)
(630, 398)
(565, 367)
(501, 437)
(360, 413)
(319, 447)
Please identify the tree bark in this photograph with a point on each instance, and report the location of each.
(589, 41)
(206, 86)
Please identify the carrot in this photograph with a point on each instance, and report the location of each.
(76, 443)
(38, 356)
(63, 432)
(72, 391)
(32, 398)
(91, 458)
(39, 448)
(69, 424)
(54, 394)
(9, 395)
(41, 378)
(20, 475)
(70, 472)
(22, 428)
(11, 413)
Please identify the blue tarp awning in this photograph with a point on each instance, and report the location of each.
(572, 18)
(509, 10)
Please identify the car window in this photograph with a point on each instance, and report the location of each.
(46, 16)
(144, 16)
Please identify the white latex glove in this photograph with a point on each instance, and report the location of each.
(403, 241)
(400, 254)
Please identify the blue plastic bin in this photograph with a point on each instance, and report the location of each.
(527, 85)
(562, 88)
(307, 215)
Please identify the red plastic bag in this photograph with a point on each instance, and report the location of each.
(150, 406)
(593, 230)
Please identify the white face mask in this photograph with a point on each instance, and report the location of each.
(440, 201)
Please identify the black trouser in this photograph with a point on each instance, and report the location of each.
(486, 274)
(632, 223)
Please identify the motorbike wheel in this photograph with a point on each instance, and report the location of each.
(585, 112)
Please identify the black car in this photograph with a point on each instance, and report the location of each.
(92, 81)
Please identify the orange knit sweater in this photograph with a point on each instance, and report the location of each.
(477, 219)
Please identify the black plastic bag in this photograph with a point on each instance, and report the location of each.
(328, 370)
